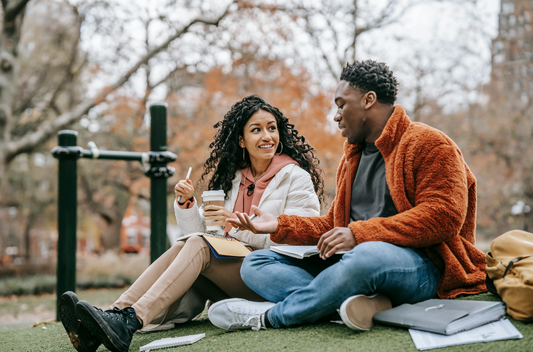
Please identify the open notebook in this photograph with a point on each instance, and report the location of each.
(172, 342)
(298, 252)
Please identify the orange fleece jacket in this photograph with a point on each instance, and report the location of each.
(434, 192)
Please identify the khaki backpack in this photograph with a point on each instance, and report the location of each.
(510, 267)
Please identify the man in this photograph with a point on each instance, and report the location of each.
(404, 212)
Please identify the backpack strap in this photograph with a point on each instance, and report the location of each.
(511, 263)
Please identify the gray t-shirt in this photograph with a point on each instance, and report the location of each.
(370, 194)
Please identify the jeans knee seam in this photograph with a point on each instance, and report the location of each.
(429, 277)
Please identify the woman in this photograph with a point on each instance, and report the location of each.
(257, 157)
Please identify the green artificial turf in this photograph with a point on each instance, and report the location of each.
(317, 337)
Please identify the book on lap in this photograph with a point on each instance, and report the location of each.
(172, 342)
(222, 247)
(226, 248)
(442, 316)
(298, 252)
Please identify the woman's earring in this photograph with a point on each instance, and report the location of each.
(243, 154)
(281, 148)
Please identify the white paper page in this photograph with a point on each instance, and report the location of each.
(498, 330)
(298, 250)
(172, 342)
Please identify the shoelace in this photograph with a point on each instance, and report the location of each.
(117, 314)
(255, 326)
(250, 317)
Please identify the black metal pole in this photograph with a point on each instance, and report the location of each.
(66, 213)
(158, 184)
(68, 152)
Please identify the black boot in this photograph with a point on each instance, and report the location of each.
(114, 328)
(80, 337)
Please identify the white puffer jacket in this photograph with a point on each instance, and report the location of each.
(290, 192)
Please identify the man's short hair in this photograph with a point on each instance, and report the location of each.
(369, 75)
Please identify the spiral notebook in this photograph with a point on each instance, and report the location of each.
(172, 342)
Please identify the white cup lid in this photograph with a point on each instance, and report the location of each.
(213, 193)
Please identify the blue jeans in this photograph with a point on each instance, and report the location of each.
(309, 289)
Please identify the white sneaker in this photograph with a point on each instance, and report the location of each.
(239, 314)
(357, 311)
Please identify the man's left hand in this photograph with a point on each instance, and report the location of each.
(338, 239)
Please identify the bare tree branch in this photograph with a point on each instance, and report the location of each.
(12, 9)
(391, 13)
(316, 39)
(47, 129)
(94, 206)
(167, 77)
(49, 101)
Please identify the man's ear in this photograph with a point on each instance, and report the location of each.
(241, 142)
(369, 99)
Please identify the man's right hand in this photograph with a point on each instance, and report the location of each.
(264, 223)
(337, 239)
(185, 189)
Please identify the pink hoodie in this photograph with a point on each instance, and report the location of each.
(245, 199)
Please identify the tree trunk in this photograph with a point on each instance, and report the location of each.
(13, 16)
(355, 34)
(111, 235)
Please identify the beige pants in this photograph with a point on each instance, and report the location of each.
(185, 264)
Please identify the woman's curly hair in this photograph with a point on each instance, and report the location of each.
(226, 154)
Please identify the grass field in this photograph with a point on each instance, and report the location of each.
(318, 337)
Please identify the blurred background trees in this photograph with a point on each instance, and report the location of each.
(95, 65)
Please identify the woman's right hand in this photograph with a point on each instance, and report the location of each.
(265, 222)
(185, 189)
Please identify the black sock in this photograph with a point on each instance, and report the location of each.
(266, 321)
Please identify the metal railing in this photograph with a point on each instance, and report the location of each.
(67, 152)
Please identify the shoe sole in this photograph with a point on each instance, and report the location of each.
(99, 327)
(69, 318)
(357, 311)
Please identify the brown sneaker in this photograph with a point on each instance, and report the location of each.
(357, 311)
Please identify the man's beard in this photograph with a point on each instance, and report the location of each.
(362, 133)
(358, 139)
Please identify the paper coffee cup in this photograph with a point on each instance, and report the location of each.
(214, 198)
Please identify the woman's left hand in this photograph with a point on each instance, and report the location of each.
(216, 215)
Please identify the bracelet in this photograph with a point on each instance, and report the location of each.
(183, 202)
